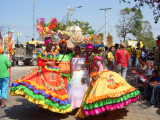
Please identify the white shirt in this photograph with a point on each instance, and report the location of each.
(143, 54)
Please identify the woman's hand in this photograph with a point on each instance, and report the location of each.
(95, 77)
(153, 84)
(50, 63)
(10, 59)
(82, 81)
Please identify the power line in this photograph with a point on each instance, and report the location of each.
(100, 29)
(16, 26)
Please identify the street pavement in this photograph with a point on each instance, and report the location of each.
(19, 108)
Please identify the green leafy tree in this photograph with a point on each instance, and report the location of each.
(129, 22)
(137, 23)
(146, 35)
(59, 26)
(85, 27)
(153, 4)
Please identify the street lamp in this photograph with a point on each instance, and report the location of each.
(73, 9)
(105, 9)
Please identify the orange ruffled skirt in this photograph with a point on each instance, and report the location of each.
(109, 92)
(44, 87)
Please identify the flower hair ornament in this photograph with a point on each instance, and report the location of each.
(47, 41)
(76, 39)
(63, 35)
(90, 39)
(89, 46)
(63, 41)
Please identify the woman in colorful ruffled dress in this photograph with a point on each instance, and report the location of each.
(107, 91)
(44, 85)
(78, 83)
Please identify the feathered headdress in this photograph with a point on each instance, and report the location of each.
(46, 30)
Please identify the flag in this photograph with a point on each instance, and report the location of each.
(141, 44)
(18, 34)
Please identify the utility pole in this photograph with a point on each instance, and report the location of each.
(72, 14)
(73, 9)
(68, 15)
(34, 2)
(105, 9)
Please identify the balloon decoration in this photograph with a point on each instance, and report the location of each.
(46, 30)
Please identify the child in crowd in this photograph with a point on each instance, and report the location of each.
(150, 68)
(141, 72)
(156, 67)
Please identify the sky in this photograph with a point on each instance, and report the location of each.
(19, 13)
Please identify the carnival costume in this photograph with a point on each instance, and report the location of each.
(44, 85)
(107, 91)
(63, 61)
(78, 84)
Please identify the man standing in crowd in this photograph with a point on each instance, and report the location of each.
(4, 76)
(134, 57)
(115, 49)
(157, 56)
(129, 49)
(13, 57)
(138, 54)
(104, 57)
(122, 57)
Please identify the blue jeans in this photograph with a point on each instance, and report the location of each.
(154, 97)
(123, 72)
(3, 87)
(130, 61)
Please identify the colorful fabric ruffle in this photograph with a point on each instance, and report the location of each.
(109, 92)
(50, 55)
(39, 88)
(66, 57)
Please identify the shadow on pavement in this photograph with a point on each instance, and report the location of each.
(158, 111)
(110, 115)
(30, 111)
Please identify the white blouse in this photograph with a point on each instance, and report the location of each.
(77, 64)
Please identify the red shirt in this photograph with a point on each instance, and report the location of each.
(119, 55)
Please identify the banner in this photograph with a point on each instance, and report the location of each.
(7, 38)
